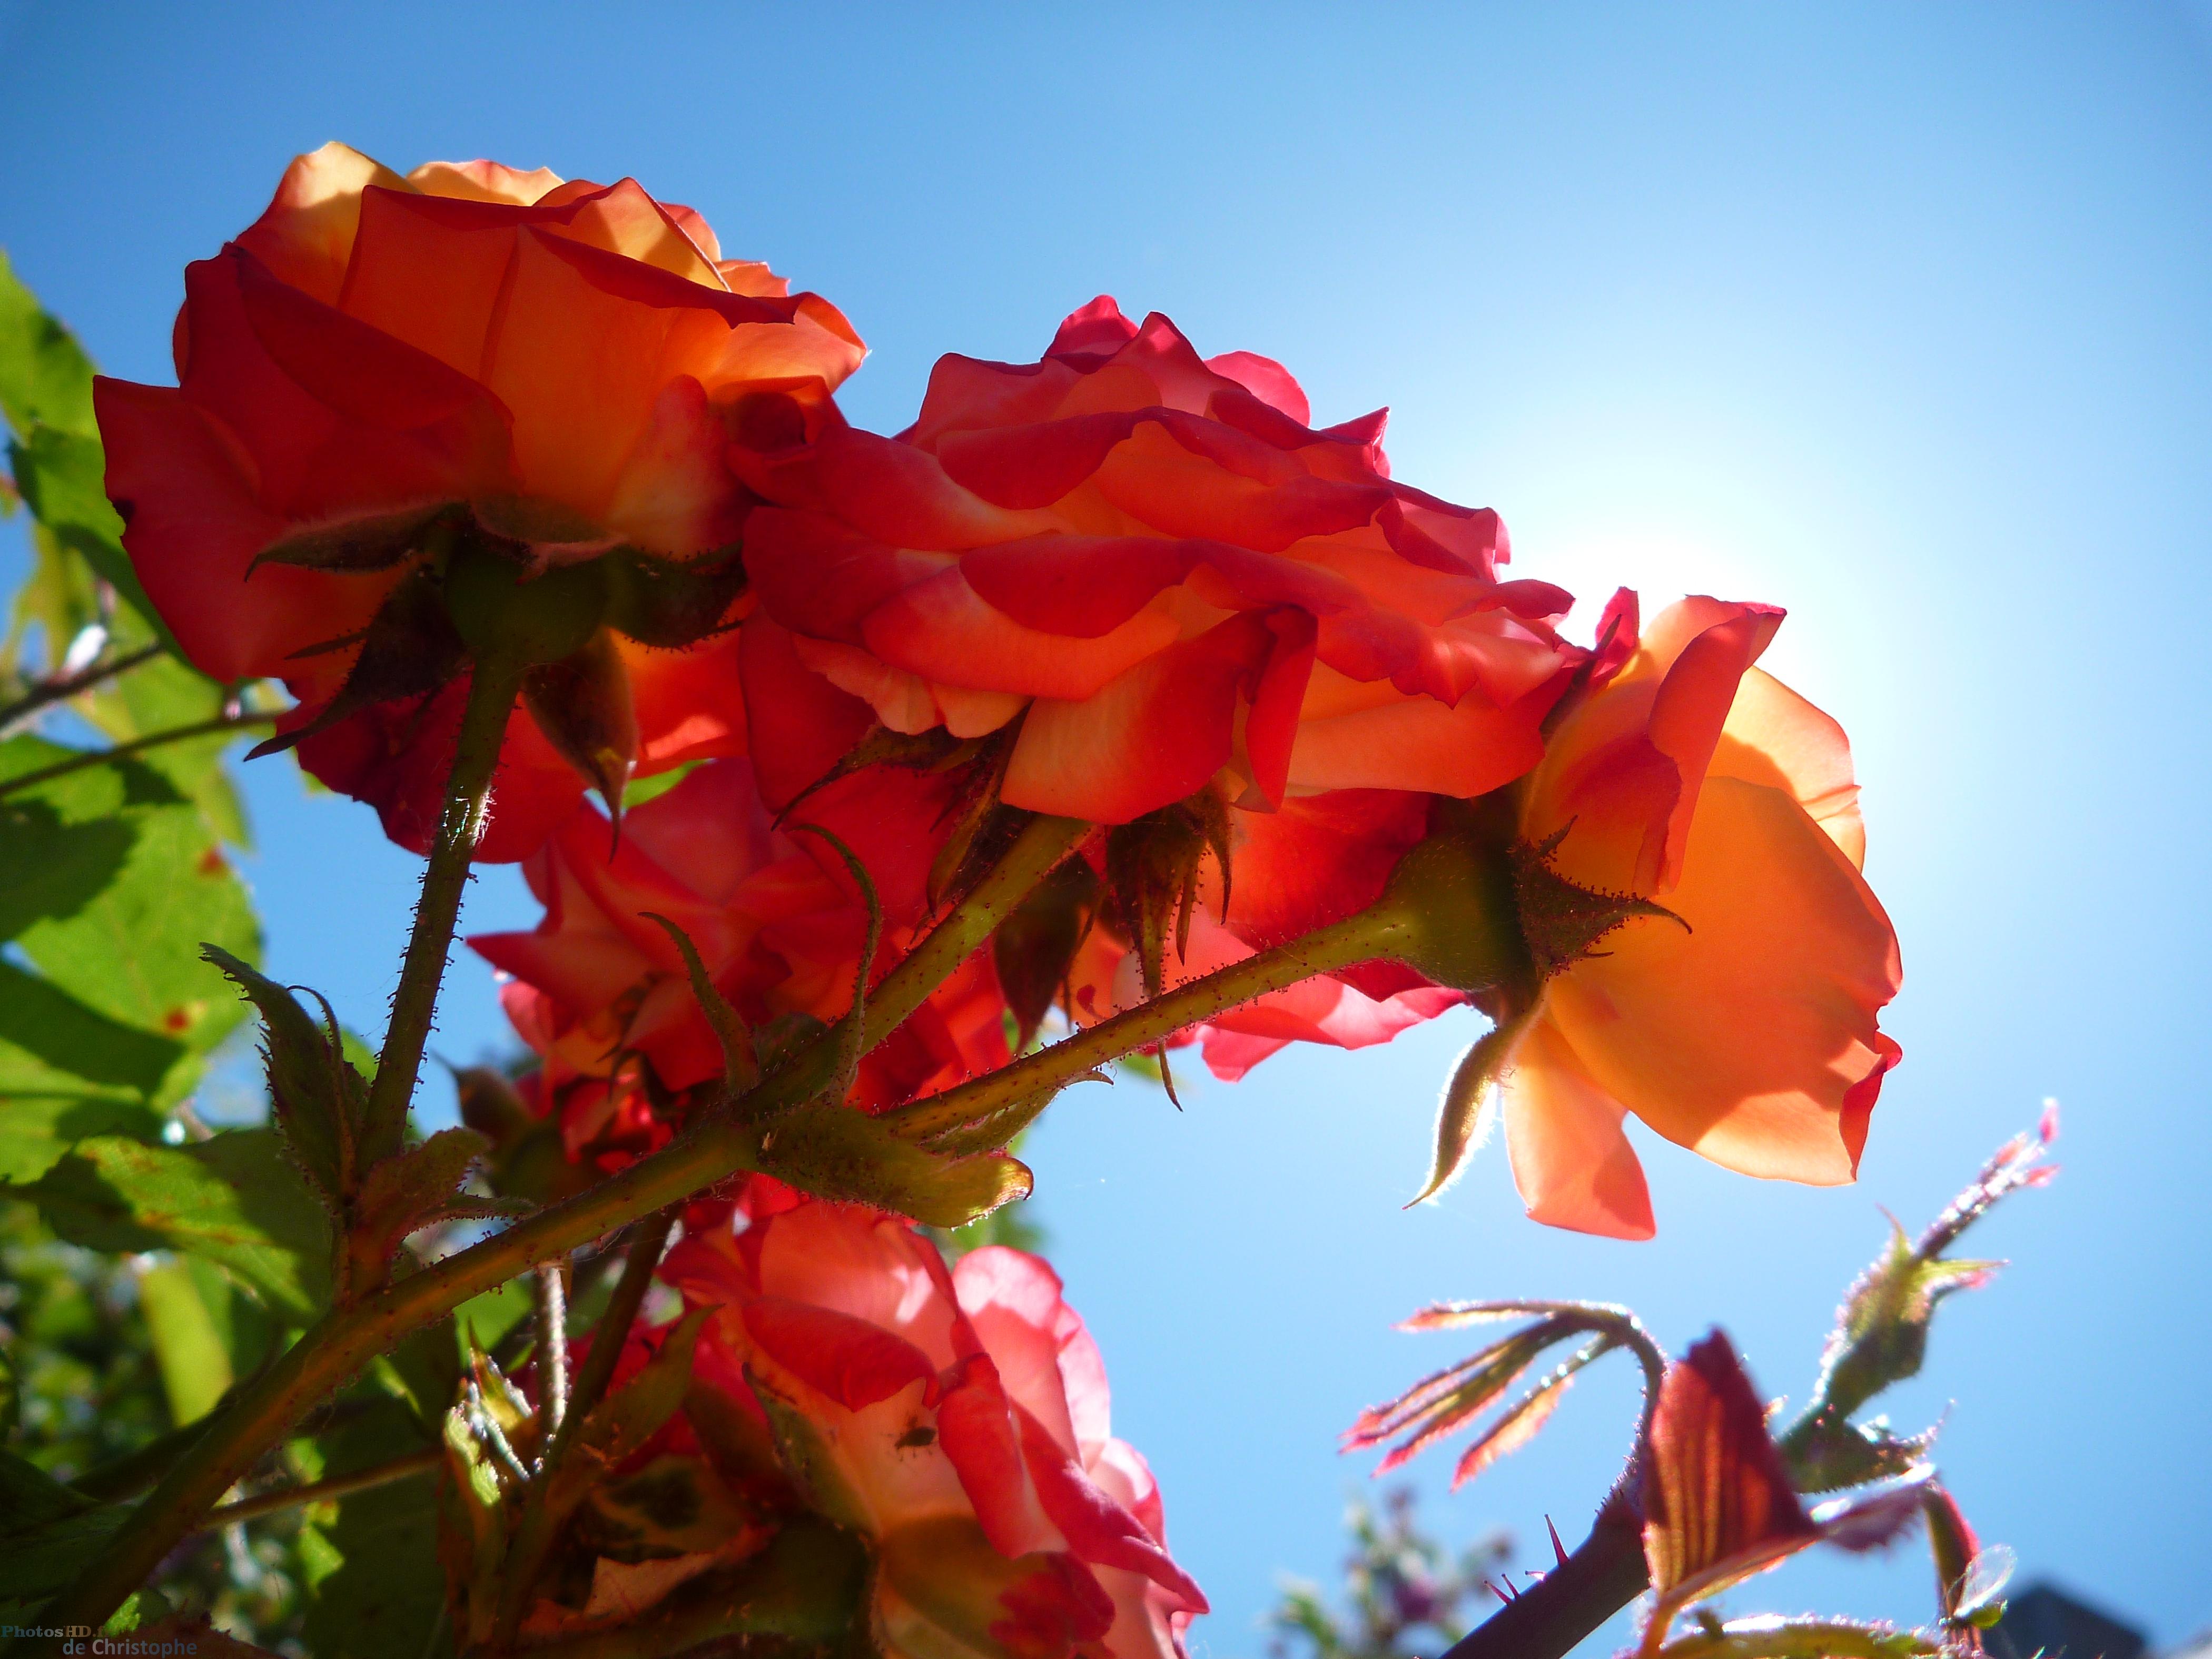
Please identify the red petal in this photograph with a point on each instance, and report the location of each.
(853, 1362)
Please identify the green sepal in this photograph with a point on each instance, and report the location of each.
(671, 602)
(319, 1100)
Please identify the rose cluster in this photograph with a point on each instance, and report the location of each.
(820, 678)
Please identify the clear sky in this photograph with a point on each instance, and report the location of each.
(1896, 315)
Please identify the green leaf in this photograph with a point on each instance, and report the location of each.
(1833, 1453)
(36, 1129)
(42, 1560)
(1797, 1639)
(61, 476)
(109, 882)
(45, 376)
(318, 1099)
(194, 1358)
(832, 1150)
(46, 1531)
(373, 1582)
(30, 1498)
(235, 1200)
(162, 695)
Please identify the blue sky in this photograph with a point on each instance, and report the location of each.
(1896, 315)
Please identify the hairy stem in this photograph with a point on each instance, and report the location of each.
(492, 688)
(338, 1485)
(135, 746)
(1042, 843)
(326, 1358)
(648, 1239)
(552, 1344)
(1358, 938)
(534, 1536)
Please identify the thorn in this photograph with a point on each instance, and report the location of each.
(1558, 1548)
(1167, 1077)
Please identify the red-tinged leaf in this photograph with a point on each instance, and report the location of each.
(1523, 1420)
(1453, 1315)
(1870, 1520)
(1379, 1423)
(1718, 1503)
(1499, 1370)
(402, 1195)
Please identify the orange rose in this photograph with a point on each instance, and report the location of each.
(1746, 1033)
(564, 364)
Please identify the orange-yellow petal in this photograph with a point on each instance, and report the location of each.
(305, 234)
(1775, 737)
(1751, 1038)
(1572, 1164)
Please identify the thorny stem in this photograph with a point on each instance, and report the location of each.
(525, 1556)
(326, 1358)
(648, 1239)
(135, 746)
(1358, 938)
(317, 1491)
(552, 1344)
(60, 688)
(1037, 852)
(1603, 1575)
(492, 688)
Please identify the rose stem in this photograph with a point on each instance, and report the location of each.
(1037, 852)
(525, 1556)
(346, 1338)
(47, 692)
(492, 688)
(552, 1346)
(1604, 1574)
(1361, 938)
(135, 746)
(317, 1491)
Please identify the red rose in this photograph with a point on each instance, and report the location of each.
(1179, 611)
(1166, 573)
(570, 360)
(958, 1420)
(597, 983)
